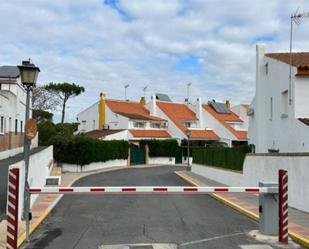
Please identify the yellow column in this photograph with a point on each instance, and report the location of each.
(102, 110)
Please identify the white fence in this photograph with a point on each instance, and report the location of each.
(39, 164)
(265, 168)
(93, 166)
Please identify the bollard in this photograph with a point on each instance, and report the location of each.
(283, 207)
(268, 210)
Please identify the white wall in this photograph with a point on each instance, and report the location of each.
(301, 97)
(90, 116)
(211, 122)
(265, 168)
(39, 166)
(241, 111)
(275, 131)
(93, 166)
(114, 120)
(162, 160)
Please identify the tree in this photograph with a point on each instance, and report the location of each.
(44, 100)
(42, 116)
(64, 91)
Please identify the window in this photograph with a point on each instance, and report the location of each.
(139, 124)
(21, 126)
(271, 109)
(155, 125)
(266, 68)
(284, 103)
(93, 124)
(16, 124)
(187, 124)
(2, 125)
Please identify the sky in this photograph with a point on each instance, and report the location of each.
(163, 44)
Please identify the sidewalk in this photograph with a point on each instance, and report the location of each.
(44, 204)
(248, 205)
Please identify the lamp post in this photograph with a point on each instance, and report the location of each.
(188, 133)
(28, 73)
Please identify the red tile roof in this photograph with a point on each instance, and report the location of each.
(101, 133)
(150, 133)
(196, 134)
(178, 113)
(298, 59)
(130, 109)
(224, 118)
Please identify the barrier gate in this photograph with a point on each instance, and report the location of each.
(13, 186)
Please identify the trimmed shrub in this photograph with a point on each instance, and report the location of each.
(229, 158)
(161, 148)
(83, 150)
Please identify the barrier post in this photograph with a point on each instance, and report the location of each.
(283, 206)
(12, 208)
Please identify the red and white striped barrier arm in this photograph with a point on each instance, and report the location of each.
(12, 208)
(149, 190)
(283, 206)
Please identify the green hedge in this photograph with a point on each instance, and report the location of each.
(229, 158)
(161, 148)
(83, 150)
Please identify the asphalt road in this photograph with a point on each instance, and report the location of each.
(196, 221)
(4, 166)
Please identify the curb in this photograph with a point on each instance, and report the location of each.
(295, 236)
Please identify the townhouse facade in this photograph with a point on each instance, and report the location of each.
(121, 119)
(161, 118)
(279, 113)
(181, 120)
(12, 111)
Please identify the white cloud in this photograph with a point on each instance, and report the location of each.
(93, 44)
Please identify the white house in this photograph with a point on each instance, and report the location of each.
(181, 119)
(279, 112)
(226, 124)
(121, 119)
(12, 111)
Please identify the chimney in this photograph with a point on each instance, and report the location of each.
(199, 110)
(102, 111)
(142, 101)
(228, 104)
(153, 106)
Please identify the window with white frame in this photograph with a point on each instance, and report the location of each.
(155, 125)
(139, 124)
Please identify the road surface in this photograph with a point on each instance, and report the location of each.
(196, 221)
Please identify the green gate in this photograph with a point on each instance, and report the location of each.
(137, 154)
(178, 155)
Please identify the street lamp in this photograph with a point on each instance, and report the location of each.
(188, 133)
(29, 74)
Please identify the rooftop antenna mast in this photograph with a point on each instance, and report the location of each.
(144, 90)
(295, 18)
(125, 91)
